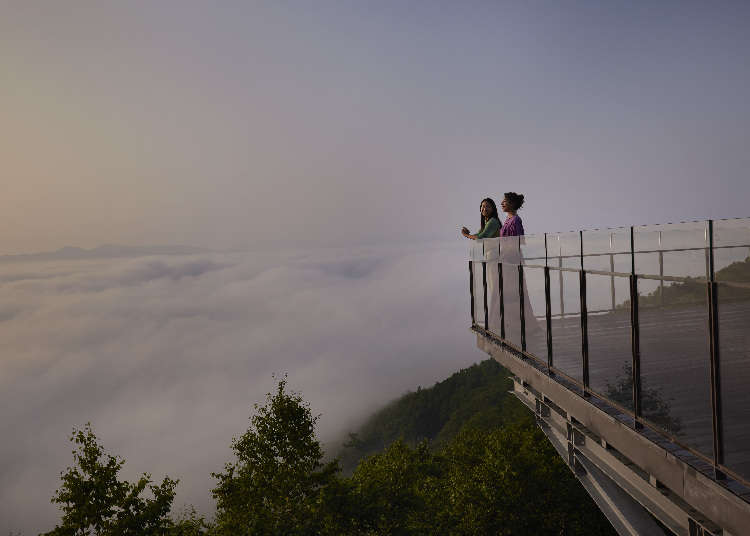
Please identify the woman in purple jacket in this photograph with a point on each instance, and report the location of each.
(510, 254)
(512, 226)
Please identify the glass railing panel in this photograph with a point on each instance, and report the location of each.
(493, 297)
(675, 360)
(490, 248)
(509, 249)
(535, 313)
(476, 250)
(734, 344)
(485, 252)
(512, 304)
(564, 250)
(565, 301)
(734, 232)
(732, 250)
(607, 250)
(533, 249)
(609, 331)
(479, 294)
(674, 249)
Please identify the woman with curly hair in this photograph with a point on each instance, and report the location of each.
(512, 226)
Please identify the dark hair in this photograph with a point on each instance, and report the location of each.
(515, 200)
(491, 203)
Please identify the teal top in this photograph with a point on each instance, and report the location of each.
(491, 229)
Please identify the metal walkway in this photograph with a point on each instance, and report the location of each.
(632, 347)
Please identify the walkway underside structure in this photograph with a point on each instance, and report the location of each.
(632, 475)
(632, 348)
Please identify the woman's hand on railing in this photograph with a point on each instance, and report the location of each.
(467, 234)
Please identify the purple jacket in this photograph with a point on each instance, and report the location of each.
(512, 226)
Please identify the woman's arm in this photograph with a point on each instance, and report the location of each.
(491, 227)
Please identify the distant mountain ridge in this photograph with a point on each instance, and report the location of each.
(102, 252)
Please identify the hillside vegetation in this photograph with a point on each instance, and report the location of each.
(460, 458)
(477, 397)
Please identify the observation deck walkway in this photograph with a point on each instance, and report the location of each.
(632, 347)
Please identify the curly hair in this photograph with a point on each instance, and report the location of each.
(514, 200)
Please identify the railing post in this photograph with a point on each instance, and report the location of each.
(661, 273)
(612, 269)
(635, 336)
(713, 314)
(484, 290)
(548, 315)
(502, 299)
(562, 295)
(548, 307)
(584, 333)
(708, 254)
(471, 289)
(521, 302)
(584, 321)
(612, 281)
(580, 246)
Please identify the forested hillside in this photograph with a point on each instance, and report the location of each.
(477, 397)
(467, 458)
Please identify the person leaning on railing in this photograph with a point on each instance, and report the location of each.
(508, 253)
(490, 222)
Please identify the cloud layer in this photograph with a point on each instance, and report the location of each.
(165, 355)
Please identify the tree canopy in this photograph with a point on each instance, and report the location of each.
(94, 501)
(275, 485)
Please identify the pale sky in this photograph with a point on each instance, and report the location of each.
(239, 124)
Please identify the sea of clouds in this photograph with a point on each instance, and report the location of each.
(166, 354)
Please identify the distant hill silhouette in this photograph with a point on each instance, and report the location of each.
(692, 291)
(102, 252)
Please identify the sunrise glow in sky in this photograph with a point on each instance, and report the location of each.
(245, 123)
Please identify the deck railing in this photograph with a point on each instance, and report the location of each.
(654, 320)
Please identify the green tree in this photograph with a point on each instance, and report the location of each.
(511, 481)
(189, 523)
(94, 501)
(506, 481)
(392, 491)
(277, 484)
